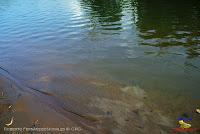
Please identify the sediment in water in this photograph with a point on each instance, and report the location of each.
(96, 106)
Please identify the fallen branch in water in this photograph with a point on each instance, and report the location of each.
(87, 117)
(4, 69)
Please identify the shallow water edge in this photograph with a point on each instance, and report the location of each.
(94, 106)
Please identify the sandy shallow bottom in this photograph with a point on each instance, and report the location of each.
(89, 105)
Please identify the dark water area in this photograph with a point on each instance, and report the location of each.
(62, 46)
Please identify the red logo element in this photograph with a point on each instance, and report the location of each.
(178, 130)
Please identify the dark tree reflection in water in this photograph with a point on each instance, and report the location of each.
(160, 23)
(166, 32)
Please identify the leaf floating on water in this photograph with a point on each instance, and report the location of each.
(198, 111)
(11, 122)
(9, 106)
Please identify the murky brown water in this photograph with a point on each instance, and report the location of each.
(85, 102)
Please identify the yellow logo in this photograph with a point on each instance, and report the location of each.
(184, 124)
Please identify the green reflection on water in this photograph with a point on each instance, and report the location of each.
(160, 23)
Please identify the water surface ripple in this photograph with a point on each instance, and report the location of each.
(151, 43)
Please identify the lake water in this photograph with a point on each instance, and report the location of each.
(126, 66)
(149, 43)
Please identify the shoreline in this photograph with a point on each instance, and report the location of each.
(102, 107)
